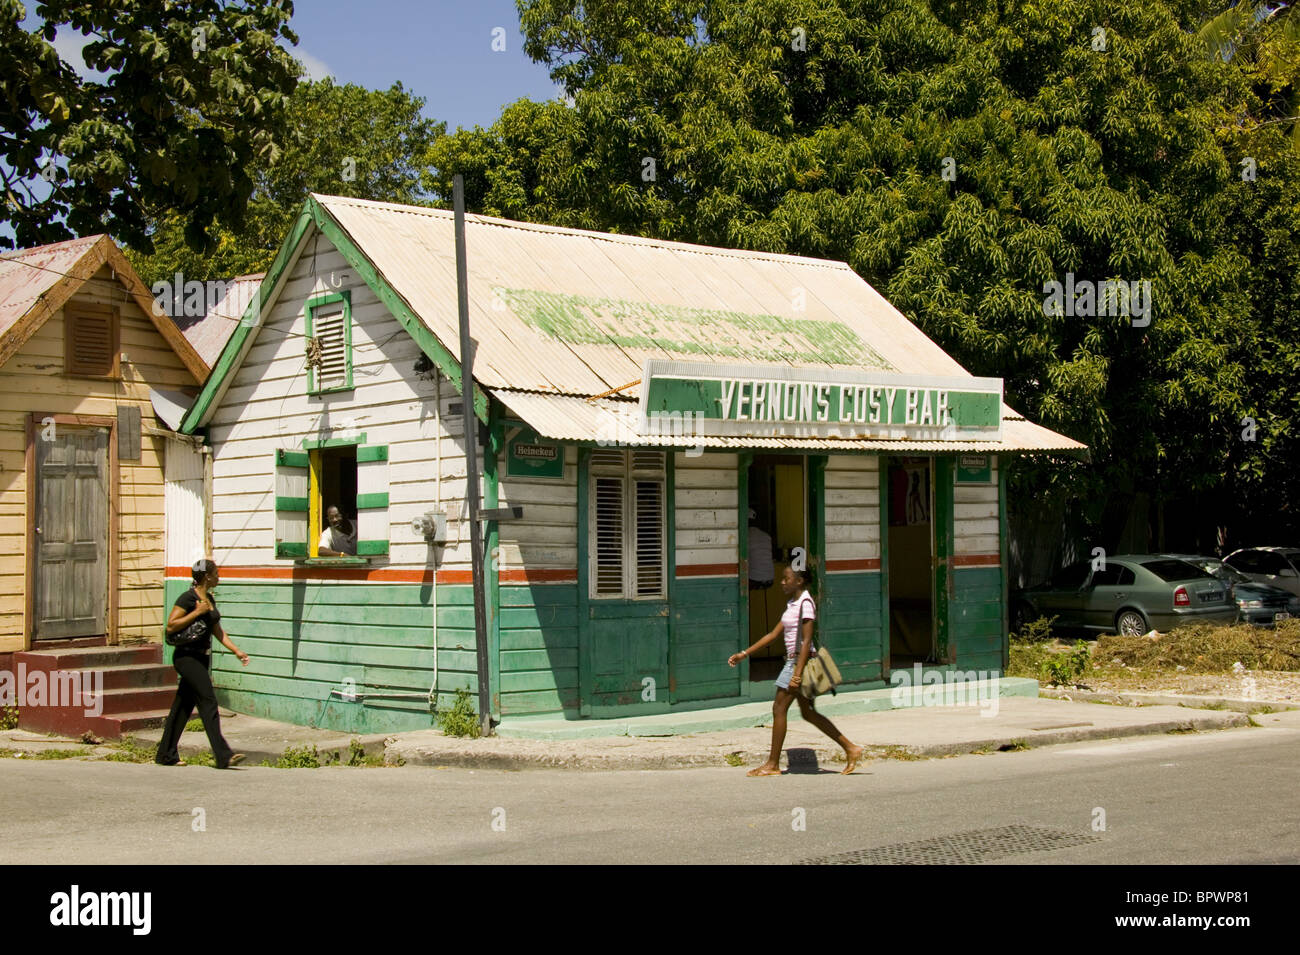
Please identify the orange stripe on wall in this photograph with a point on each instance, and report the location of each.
(976, 560)
(708, 570)
(864, 563)
(388, 575)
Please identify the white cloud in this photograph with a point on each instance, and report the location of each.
(316, 69)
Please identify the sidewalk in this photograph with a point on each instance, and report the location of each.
(736, 735)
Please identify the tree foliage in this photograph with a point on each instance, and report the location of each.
(958, 155)
(342, 140)
(183, 99)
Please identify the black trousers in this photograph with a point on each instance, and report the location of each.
(195, 689)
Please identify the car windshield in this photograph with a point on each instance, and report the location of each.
(1174, 571)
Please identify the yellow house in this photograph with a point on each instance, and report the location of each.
(82, 451)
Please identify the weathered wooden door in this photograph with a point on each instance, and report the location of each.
(72, 533)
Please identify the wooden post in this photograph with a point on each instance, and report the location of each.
(471, 460)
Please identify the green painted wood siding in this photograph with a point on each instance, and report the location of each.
(849, 624)
(539, 649)
(976, 623)
(307, 638)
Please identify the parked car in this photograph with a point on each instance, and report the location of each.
(1259, 604)
(1275, 566)
(1131, 594)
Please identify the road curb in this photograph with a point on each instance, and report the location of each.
(1129, 697)
(463, 754)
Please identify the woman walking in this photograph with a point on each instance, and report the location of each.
(796, 623)
(195, 619)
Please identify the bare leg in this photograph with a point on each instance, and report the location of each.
(779, 707)
(852, 752)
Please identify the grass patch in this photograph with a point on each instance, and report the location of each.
(460, 719)
(194, 726)
(296, 757)
(900, 752)
(734, 759)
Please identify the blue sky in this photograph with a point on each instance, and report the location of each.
(441, 50)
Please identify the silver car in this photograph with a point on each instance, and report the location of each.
(1275, 566)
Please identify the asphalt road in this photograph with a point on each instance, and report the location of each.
(1224, 797)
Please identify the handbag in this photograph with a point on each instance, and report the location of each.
(195, 631)
(819, 674)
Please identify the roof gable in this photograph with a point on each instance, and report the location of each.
(35, 283)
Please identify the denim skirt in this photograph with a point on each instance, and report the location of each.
(787, 671)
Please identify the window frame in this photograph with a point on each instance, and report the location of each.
(315, 304)
(629, 475)
(377, 503)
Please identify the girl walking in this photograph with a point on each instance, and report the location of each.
(196, 614)
(797, 626)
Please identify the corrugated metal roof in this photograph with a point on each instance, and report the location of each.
(208, 333)
(574, 312)
(615, 421)
(26, 274)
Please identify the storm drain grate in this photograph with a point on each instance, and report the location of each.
(962, 848)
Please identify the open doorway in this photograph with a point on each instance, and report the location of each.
(912, 637)
(778, 523)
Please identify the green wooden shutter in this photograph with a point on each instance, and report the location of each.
(291, 505)
(372, 500)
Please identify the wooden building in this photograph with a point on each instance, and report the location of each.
(83, 464)
(637, 399)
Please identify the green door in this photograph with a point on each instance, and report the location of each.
(624, 576)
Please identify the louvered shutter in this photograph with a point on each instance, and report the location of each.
(331, 325)
(90, 341)
(651, 544)
(291, 490)
(607, 523)
(372, 500)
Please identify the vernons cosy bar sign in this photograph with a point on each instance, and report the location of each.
(781, 401)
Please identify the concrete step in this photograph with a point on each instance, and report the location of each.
(96, 658)
(136, 699)
(138, 676)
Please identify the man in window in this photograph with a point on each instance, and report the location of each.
(340, 538)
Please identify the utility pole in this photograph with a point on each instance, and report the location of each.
(471, 460)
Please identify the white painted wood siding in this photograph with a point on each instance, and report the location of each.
(852, 507)
(267, 408)
(976, 518)
(706, 488)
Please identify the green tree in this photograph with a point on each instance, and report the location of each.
(342, 140)
(959, 157)
(185, 98)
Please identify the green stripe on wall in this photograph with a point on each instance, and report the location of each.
(291, 459)
(371, 548)
(290, 550)
(294, 504)
(373, 452)
(374, 499)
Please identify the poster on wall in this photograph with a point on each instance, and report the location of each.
(909, 493)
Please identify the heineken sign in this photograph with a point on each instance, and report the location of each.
(781, 401)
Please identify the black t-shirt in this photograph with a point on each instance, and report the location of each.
(203, 645)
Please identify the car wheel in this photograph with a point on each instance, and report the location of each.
(1131, 623)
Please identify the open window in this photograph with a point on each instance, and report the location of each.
(351, 476)
(628, 545)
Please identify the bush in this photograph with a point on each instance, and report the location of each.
(8, 718)
(1029, 649)
(1061, 668)
(461, 719)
